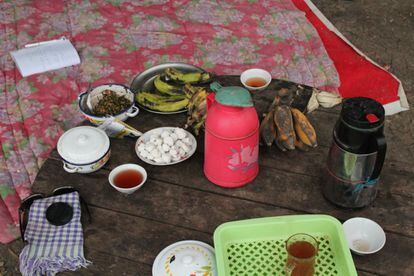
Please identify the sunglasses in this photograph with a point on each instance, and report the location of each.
(67, 209)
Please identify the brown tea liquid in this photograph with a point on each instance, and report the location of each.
(256, 82)
(301, 255)
(128, 179)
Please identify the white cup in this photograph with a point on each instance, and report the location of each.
(364, 236)
(125, 167)
(255, 73)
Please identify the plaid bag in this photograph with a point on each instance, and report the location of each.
(52, 249)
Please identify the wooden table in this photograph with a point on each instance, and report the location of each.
(178, 202)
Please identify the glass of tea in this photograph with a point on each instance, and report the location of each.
(127, 178)
(302, 250)
(255, 79)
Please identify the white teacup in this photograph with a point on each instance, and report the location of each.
(126, 167)
(255, 73)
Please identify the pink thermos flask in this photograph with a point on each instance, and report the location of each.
(231, 137)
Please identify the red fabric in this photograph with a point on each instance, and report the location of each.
(358, 76)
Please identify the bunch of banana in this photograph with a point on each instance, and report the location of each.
(287, 127)
(172, 90)
(197, 107)
(191, 77)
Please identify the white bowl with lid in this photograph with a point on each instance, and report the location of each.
(185, 258)
(83, 149)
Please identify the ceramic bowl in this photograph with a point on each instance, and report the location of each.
(255, 73)
(83, 149)
(364, 236)
(124, 167)
(87, 99)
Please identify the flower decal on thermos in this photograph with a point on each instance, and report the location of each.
(244, 158)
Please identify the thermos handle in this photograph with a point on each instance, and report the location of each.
(381, 149)
(211, 99)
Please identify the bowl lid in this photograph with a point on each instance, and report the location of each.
(185, 258)
(83, 145)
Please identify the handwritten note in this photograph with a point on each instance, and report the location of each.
(46, 56)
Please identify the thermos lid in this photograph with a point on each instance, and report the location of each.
(232, 95)
(362, 113)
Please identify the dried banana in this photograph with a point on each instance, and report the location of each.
(304, 130)
(284, 126)
(267, 129)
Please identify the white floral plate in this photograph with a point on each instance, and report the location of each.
(144, 138)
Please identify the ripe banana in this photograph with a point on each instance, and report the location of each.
(191, 77)
(151, 97)
(197, 107)
(167, 88)
(167, 106)
(162, 103)
(190, 90)
(304, 129)
(284, 126)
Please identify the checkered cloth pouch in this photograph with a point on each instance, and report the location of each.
(52, 249)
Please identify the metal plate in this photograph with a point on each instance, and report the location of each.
(145, 80)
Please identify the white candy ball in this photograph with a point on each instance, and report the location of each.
(179, 144)
(169, 141)
(141, 147)
(158, 141)
(174, 136)
(153, 138)
(185, 148)
(188, 141)
(180, 133)
(181, 152)
(149, 147)
(155, 153)
(144, 153)
(166, 148)
(173, 151)
(166, 158)
(175, 157)
(165, 134)
(158, 160)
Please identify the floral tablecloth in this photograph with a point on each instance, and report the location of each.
(116, 39)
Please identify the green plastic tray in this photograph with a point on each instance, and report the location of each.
(257, 246)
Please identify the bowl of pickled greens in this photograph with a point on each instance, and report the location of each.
(108, 100)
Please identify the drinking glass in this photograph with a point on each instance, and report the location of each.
(302, 250)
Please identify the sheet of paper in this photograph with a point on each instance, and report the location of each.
(45, 57)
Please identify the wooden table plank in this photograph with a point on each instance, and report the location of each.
(184, 207)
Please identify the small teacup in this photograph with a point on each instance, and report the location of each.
(125, 183)
(255, 79)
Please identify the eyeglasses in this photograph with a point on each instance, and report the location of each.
(28, 201)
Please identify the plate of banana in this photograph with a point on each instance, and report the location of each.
(167, 88)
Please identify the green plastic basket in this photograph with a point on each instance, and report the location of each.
(257, 246)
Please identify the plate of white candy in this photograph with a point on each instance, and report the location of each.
(165, 146)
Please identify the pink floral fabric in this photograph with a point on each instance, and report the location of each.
(116, 39)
